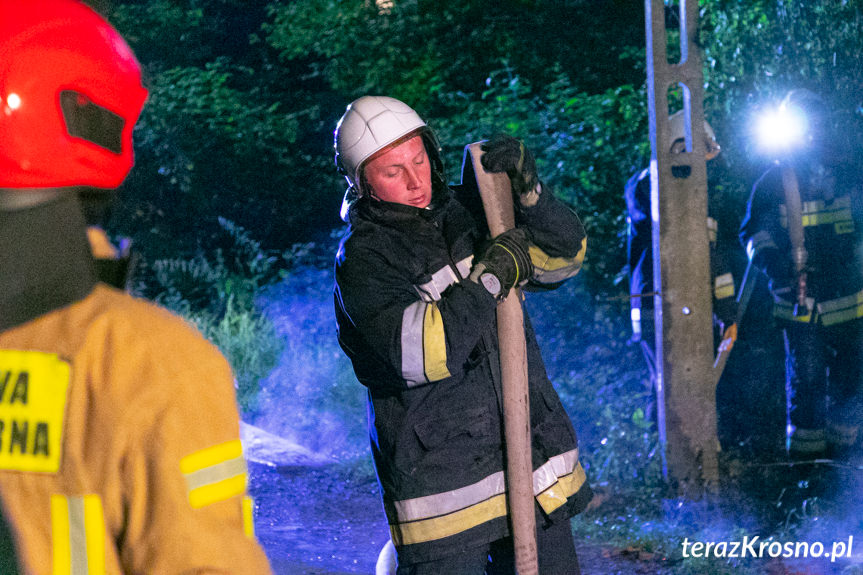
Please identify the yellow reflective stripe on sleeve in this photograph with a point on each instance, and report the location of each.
(785, 310)
(215, 474)
(827, 217)
(723, 286)
(817, 213)
(564, 488)
(448, 525)
(78, 532)
(550, 270)
(423, 344)
(830, 312)
(841, 309)
(249, 517)
(844, 227)
(434, 344)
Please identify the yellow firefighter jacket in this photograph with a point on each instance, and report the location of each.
(119, 445)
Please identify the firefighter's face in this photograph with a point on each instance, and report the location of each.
(401, 174)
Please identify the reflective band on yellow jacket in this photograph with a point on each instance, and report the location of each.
(215, 474)
(445, 514)
(119, 444)
(78, 532)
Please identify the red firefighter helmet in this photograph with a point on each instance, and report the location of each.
(70, 94)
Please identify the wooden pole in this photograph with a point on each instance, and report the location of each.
(496, 194)
(685, 382)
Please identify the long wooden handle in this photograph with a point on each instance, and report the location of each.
(794, 217)
(495, 192)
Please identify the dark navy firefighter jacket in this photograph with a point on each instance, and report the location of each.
(423, 340)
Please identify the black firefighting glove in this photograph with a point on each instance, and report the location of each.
(503, 153)
(507, 259)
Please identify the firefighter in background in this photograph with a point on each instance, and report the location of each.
(817, 301)
(417, 288)
(640, 253)
(118, 423)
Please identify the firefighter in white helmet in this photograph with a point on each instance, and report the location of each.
(118, 423)
(417, 286)
(640, 251)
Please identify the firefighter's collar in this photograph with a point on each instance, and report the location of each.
(45, 260)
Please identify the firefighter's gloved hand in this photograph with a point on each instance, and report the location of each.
(507, 259)
(728, 338)
(503, 153)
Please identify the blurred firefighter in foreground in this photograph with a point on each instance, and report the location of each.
(803, 229)
(640, 253)
(119, 438)
(417, 286)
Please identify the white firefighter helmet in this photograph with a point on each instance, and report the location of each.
(677, 132)
(370, 124)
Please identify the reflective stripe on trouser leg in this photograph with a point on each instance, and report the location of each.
(78, 531)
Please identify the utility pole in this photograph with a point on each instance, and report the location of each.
(685, 386)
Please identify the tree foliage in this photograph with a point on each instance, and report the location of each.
(755, 51)
(245, 94)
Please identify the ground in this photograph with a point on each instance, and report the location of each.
(319, 510)
(324, 520)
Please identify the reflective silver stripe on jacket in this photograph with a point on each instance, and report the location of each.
(444, 514)
(558, 466)
(464, 266)
(442, 279)
(447, 502)
(494, 484)
(423, 339)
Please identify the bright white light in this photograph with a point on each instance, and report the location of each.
(13, 101)
(782, 129)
